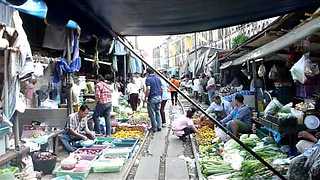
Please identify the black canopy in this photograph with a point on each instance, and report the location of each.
(163, 17)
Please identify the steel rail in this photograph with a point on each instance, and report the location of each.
(217, 123)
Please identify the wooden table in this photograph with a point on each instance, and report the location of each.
(12, 154)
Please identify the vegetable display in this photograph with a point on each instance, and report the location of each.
(205, 135)
(128, 134)
(232, 161)
(139, 118)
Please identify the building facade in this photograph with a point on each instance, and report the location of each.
(173, 51)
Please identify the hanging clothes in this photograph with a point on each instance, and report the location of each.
(62, 65)
(19, 65)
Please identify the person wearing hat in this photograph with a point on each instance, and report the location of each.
(239, 120)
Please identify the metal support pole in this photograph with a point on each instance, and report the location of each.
(217, 123)
(6, 101)
(16, 131)
(195, 53)
(254, 76)
(69, 83)
(125, 72)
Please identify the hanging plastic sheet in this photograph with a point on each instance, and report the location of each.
(6, 15)
(119, 49)
(135, 65)
(62, 66)
(18, 66)
(33, 7)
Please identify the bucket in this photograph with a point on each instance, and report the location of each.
(42, 164)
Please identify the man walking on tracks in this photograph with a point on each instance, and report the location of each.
(153, 93)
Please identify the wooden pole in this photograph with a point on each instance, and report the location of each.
(69, 83)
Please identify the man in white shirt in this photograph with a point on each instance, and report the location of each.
(211, 87)
(220, 107)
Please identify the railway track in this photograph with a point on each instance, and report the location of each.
(190, 151)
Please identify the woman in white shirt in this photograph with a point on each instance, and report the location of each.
(133, 92)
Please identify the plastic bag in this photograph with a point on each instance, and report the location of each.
(274, 73)
(286, 108)
(273, 107)
(262, 71)
(222, 135)
(298, 71)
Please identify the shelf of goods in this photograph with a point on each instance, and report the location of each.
(219, 160)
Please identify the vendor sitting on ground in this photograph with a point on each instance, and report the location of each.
(220, 107)
(239, 120)
(183, 126)
(308, 140)
(76, 129)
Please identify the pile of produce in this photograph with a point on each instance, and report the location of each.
(214, 165)
(125, 132)
(139, 118)
(44, 156)
(128, 134)
(234, 162)
(205, 135)
(88, 151)
(203, 121)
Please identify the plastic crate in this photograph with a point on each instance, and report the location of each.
(89, 157)
(101, 140)
(108, 165)
(273, 119)
(73, 174)
(125, 142)
(123, 152)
